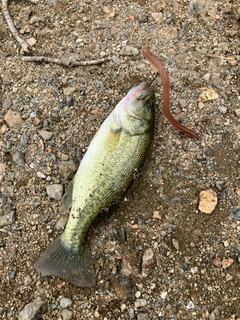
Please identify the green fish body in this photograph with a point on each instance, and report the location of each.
(115, 154)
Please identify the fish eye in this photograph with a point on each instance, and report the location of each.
(149, 104)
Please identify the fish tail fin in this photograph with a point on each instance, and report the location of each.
(71, 265)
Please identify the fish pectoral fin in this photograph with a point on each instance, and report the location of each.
(115, 128)
(71, 265)
(66, 202)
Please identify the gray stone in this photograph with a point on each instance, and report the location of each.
(67, 169)
(222, 109)
(6, 103)
(183, 103)
(18, 158)
(215, 314)
(55, 191)
(142, 18)
(142, 315)
(140, 303)
(69, 101)
(7, 219)
(206, 76)
(67, 314)
(65, 302)
(24, 139)
(235, 214)
(12, 274)
(131, 313)
(220, 184)
(119, 233)
(46, 135)
(33, 311)
(116, 60)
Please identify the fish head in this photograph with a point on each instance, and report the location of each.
(135, 113)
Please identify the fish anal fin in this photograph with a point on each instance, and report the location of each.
(74, 266)
(66, 202)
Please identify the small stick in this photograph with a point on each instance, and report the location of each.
(64, 62)
(12, 28)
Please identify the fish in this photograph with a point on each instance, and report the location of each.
(116, 153)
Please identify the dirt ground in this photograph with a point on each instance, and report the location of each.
(196, 270)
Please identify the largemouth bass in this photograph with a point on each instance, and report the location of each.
(115, 154)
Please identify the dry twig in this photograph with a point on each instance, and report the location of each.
(22, 42)
(65, 62)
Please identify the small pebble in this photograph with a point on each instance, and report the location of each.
(120, 234)
(12, 274)
(157, 215)
(207, 201)
(67, 169)
(237, 113)
(55, 191)
(65, 302)
(206, 76)
(235, 214)
(140, 303)
(116, 60)
(222, 109)
(163, 295)
(33, 310)
(6, 103)
(129, 51)
(157, 16)
(69, 101)
(18, 158)
(142, 315)
(175, 244)
(46, 135)
(41, 175)
(142, 18)
(69, 90)
(147, 262)
(7, 219)
(200, 49)
(13, 118)
(31, 41)
(67, 314)
(208, 94)
(24, 139)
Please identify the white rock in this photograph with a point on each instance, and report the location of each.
(207, 201)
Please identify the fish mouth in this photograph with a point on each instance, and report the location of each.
(144, 90)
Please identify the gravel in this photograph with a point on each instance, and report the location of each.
(50, 113)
